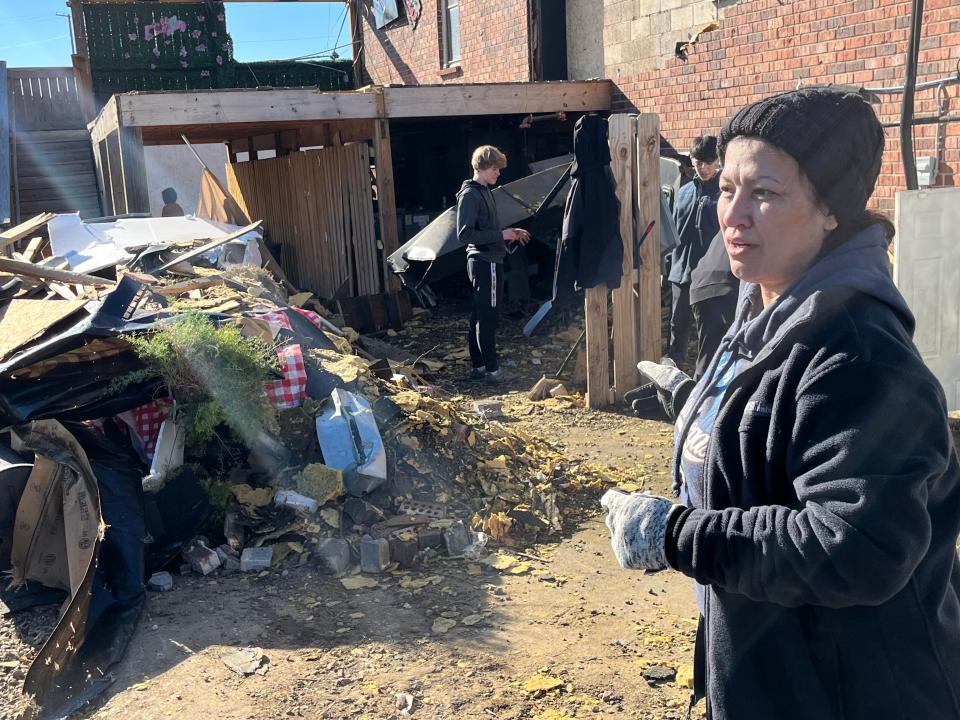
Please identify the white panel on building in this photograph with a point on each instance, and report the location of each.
(927, 271)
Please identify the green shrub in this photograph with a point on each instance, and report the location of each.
(214, 374)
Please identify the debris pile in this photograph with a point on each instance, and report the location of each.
(189, 396)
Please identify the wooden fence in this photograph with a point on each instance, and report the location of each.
(318, 204)
(635, 321)
(44, 99)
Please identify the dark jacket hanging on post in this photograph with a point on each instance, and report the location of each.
(591, 249)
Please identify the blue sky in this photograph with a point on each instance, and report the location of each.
(33, 35)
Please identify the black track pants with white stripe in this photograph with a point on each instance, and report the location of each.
(486, 279)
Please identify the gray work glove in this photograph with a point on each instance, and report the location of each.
(638, 528)
(673, 385)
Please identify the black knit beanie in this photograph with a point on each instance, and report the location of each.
(834, 136)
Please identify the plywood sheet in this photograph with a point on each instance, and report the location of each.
(23, 320)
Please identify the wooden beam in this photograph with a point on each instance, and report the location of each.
(386, 200)
(242, 106)
(623, 146)
(598, 353)
(497, 99)
(105, 122)
(648, 208)
(18, 267)
(303, 105)
(20, 231)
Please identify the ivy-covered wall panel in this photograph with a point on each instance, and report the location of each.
(184, 46)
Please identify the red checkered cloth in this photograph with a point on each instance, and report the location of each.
(288, 393)
(311, 316)
(147, 421)
(277, 318)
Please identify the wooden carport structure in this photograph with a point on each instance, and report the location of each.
(286, 120)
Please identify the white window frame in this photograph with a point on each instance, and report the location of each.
(449, 58)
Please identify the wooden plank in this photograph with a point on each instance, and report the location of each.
(648, 208)
(5, 209)
(118, 202)
(29, 227)
(622, 152)
(598, 354)
(32, 248)
(497, 99)
(222, 107)
(106, 121)
(242, 106)
(27, 269)
(386, 200)
(134, 170)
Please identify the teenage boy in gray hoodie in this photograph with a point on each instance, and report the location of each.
(478, 227)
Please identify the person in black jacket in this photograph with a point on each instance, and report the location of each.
(819, 482)
(695, 215)
(479, 229)
(713, 301)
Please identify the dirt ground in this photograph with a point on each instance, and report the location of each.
(565, 633)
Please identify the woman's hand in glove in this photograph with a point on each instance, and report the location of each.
(638, 528)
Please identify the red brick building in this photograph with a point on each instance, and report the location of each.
(761, 47)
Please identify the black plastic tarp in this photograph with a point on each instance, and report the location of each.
(435, 252)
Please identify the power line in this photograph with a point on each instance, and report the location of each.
(35, 42)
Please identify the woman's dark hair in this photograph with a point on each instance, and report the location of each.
(704, 148)
(846, 230)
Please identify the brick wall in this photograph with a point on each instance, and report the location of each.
(493, 38)
(764, 47)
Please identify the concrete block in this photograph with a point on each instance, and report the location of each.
(456, 538)
(333, 555)
(202, 559)
(256, 559)
(404, 547)
(681, 20)
(225, 552)
(428, 537)
(488, 409)
(374, 554)
(231, 565)
(160, 582)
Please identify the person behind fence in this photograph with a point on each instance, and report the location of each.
(695, 215)
(478, 227)
(820, 487)
(170, 206)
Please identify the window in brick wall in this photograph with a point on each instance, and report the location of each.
(451, 32)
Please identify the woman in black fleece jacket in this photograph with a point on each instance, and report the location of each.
(820, 487)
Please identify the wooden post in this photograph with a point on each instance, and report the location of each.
(623, 161)
(81, 61)
(5, 215)
(598, 354)
(134, 170)
(648, 208)
(386, 199)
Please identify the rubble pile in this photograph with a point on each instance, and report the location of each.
(358, 464)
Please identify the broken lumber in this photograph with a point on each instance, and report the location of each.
(196, 252)
(19, 267)
(189, 285)
(18, 232)
(33, 247)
